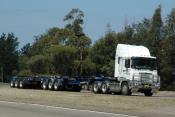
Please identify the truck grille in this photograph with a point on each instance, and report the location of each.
(146, 77)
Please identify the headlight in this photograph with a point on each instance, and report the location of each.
(137, 77)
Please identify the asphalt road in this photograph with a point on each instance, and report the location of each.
(13, 109)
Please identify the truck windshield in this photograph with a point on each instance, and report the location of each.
(144, 63)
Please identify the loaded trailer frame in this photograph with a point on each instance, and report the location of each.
(57, 83)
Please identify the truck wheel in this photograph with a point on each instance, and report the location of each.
(21, 84)
(12, 84)
(96, 88)
(148, 93)
(125, 89)
(104, 88)
(56, 86)
(85, 87)
(16, 84)
(44, 85)
(50, 85)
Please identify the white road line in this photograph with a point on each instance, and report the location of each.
(63, 108)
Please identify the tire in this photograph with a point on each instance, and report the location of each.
(50, 85)
(44, 85)
(16, 84)
(96, 88)
(125, 89)
(56, 86)
(21, 84)
(12, 84)
(104, 88)
(148, 93)
(85, 87)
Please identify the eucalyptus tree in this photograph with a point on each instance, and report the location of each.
(77, 37)
(8, 55)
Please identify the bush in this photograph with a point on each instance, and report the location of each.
(39, 64)
(25, 73)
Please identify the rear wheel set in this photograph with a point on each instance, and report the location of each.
(58, 86)
(16, 84)
(125, 89)
(21, 84)
(95, 88)
(50, 85)
(12, 83)
(104, 88)
(44, 85)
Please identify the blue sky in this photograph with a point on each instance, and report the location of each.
(28, 18)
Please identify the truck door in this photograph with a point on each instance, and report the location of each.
(124, 66)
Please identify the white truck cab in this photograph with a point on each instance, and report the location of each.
(135, 71)
(135, 66)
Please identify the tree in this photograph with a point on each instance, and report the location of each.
(140, 33)
(156, 31)
(54, 36)
(167, 64)
(38, 64)
(25, 50)
(103, 53)
(62, 59)
(170, 24)
(8, 55)
(89, 68)
(157, 23)
(77, 38)
(75, 21)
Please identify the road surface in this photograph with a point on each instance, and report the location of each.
(13, 109)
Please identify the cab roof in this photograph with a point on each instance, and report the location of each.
(124, 50)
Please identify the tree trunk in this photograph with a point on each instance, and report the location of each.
(81, 61)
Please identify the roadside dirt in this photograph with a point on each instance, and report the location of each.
(161, 104)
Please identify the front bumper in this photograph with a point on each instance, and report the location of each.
(142, 87)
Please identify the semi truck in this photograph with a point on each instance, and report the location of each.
(135, 71)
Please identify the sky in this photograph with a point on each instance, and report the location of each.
(29, 18)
